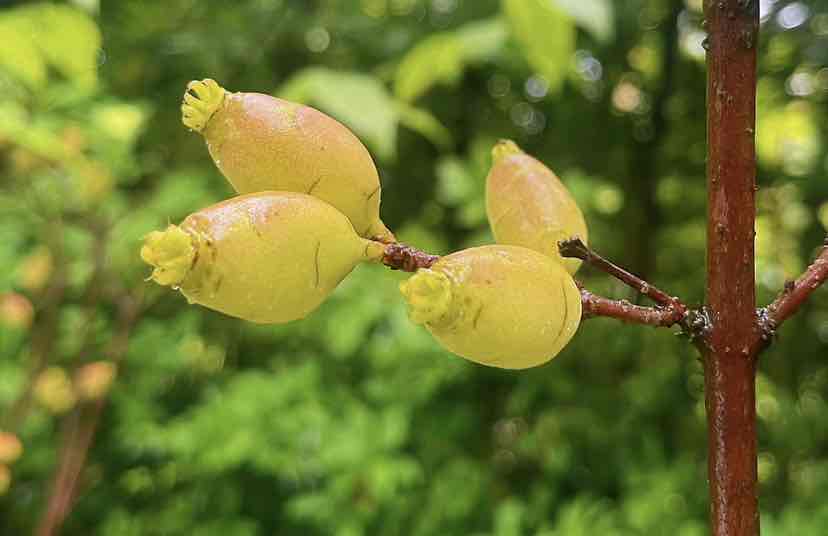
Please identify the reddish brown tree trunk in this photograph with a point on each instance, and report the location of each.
(732, 342)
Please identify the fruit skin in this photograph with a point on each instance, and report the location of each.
(268, 257)
(10, 448)
(263, 143)
(53, 390)
(529, 206)
(502, 306)
(93, 380)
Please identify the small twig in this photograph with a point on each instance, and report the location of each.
(669, 312)
(407, 258)
(575, 248)
(593, 305)
(795, 293)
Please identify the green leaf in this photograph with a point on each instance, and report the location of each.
(120, 121)
(361, 102)
(441, 57)
(546, 35)
(481, 40)
(19, 56)
(595, 16)
(455, 185)
(41, 35)
(438, 59)
(35, 135)
(69, 40)
(424, 123)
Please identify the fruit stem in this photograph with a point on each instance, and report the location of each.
(407, 258)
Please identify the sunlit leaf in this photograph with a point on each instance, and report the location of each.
(360, 101)
(788, 137)
(36, 136)
(41, 35)
(595, 16)
(69, 39)
(18, 54)
(546, 35)
(436, 59)
(441, 58)
(481, 40)
(121, 121)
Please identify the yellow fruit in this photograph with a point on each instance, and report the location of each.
(10, 448)
(529, 206)
(16, 311)
(502, 306)
(262, 143)
(93, 380)
(36, 269)
(268, 257)
(53, 390)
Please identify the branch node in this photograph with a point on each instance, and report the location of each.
(767, 327)
(697, 324)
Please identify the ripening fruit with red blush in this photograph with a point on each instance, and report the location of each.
(10, 448)
(263, 143)
(527, 205)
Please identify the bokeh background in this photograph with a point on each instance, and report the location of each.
(137, 414)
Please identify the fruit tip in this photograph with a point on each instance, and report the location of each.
(201, 100)
(504, 148)
(171, 253)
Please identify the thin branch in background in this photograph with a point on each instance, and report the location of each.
(643, 214)
(44, 333)
(80, 428)
(795, 293)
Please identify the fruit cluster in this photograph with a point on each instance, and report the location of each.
(308, 213)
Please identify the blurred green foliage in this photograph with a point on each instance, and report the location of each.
(354, 421)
